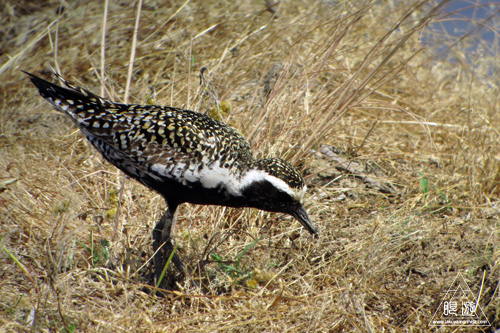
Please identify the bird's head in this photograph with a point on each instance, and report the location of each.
(276, 186)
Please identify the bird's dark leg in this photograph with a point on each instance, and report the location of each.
(163, 239)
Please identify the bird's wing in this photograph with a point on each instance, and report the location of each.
(143, 139)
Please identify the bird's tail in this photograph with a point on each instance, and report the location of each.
(72, 100)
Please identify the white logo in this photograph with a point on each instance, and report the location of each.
(459, 307)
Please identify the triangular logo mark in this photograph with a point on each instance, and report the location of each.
(459, 307)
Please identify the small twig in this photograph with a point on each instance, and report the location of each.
(208, 89)
(118, 209)
(367, 135)
(271, 7)
(480, 291)
(103, 45)
(132, 52)
(165, 22)
(423, 123)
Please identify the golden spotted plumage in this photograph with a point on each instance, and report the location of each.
(184, 155)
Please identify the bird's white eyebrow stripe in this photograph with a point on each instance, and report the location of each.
(260, 175)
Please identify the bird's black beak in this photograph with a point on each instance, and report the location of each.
(300, 214)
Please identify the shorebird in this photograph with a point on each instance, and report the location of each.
(183, 155)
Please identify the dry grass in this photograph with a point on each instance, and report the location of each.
(354, 77)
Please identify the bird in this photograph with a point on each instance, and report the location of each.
(185, 156)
